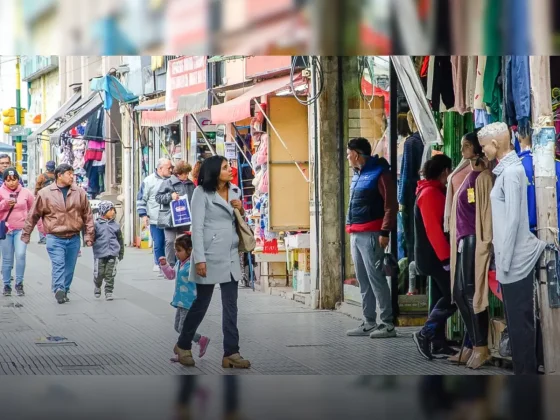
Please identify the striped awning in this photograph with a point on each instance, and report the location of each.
(193, 103)
(160, 118)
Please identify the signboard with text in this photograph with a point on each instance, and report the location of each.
(185, 75)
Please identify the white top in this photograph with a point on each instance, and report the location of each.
(516, 249)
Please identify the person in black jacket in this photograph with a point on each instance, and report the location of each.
(177, 186)
(433, 251)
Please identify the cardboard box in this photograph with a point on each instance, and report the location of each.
(304, 261)
(299, 241)
(303, 282)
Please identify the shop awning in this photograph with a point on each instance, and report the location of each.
(61, 111)
(193, 103)
(151, 104)
(89, 106)
(240, 108)
(159, 118)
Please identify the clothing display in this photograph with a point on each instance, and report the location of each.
(517, 92)
(493, 93)
(479, 85)
(517, 249)
(442, 89)
(460, 66)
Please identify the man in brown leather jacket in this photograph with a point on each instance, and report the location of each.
(65, 211)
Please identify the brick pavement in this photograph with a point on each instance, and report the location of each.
(133, 335)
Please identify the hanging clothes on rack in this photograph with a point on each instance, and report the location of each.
(517, 93)
(442, 92)
(479, 85)
(471, 83)
(493, 93)
(459, 72)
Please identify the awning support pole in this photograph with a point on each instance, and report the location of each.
(204, 135)
(281, 141)
(239, 147)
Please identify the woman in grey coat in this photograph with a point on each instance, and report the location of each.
(178, 185)
(215, 259)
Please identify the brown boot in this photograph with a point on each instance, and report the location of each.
(480, 356)
(235, 361)
(185, 356)
(467, 353)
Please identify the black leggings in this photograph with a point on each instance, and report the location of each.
(463, 294)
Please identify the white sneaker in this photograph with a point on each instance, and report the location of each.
(363, 330)
(97, 292)
(108, 296)
(156, 269)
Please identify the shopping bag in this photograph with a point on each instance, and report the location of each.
(247, 242)
(180, 212)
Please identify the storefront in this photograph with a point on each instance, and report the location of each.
(267, 131)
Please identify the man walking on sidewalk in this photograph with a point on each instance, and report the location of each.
(148, 208)
(65, 211)
(372, 215)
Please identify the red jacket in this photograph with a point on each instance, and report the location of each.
(430, 202)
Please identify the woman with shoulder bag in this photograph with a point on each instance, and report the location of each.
(15, 204)
(215, 258)
(177, 186)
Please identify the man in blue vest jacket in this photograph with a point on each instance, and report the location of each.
(372, 215)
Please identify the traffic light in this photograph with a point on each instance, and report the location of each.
(23, 114)
(9, 119)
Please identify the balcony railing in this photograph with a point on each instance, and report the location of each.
(36, 65)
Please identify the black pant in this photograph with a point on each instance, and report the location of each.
(198, 310)
(443, 308)
(520, 316)
(463, 293)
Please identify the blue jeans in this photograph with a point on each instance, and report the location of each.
(64, 255)
(13, 246)
(158, 237)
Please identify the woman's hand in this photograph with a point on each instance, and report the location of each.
(237, 204)
(174, 196)
(12, 202)
(201, 269)
(162, 261)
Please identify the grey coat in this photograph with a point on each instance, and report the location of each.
(163, 197)
(108, 239)
(214, 237)
(516, 249)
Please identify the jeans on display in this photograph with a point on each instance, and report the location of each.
(13, 249)
(63, 253)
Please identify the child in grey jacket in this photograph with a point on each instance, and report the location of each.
(108, 246)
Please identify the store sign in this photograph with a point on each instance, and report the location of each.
(185, 75)
(231, 153)
(266, 64)
(186, 27)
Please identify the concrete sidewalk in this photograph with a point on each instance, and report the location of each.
(133, 335)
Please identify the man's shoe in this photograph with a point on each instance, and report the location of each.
(235, 361)
(442, 351)
(155, 269)
(19, 290)
(60, 296)
(97, 292)
(363, 330)
(108, 296)
(184, 356)
(423, 345)
(66, 298)
(384, 331)
(7, 291)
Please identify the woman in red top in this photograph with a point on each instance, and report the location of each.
(432, 252)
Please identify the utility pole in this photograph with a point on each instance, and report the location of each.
(547, 216)
(17, 140)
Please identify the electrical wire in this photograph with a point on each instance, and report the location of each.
(363, 65)
(319, 74)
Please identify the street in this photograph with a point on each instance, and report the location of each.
(133, 335)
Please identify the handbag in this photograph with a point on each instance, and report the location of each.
(3, 227)
(247, 242)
